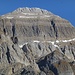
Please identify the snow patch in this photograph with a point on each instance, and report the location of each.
(56, 46)
(9, 17)
(52, 42)
(64, 40)
(73, 39)
(43, 16)
(36, 41)
(30, 16)
(69, 40)
(30, 13)
(57, 41)
(23, 45)
(27, 17)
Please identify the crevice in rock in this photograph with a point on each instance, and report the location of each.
(55, 28)
(13, 30)
(14, 39)
(39, 46)
(53, 24)
(0, 36)
(63, 50)
(8, 55)
(50, 48)
(23, 71)
(73, 54)
(13, 70)
(36, 30)
(4, 30)
(54, 69)
(12, 21)
(24, 48)
(26, 72)
(15, 49)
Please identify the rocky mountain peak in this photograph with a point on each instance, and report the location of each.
(32, 10)
(34, 41)
(29, 13)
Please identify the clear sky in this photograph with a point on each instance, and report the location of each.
(63, 8)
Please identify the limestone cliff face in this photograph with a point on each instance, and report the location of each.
(34, 22)
(34, 41)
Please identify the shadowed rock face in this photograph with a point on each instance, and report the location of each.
(55, 62)
(34, 41)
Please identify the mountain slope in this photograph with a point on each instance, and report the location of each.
(34, 41)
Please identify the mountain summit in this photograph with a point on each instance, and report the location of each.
(31, 10)
(34, 41)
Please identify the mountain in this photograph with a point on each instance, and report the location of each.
(34, 41)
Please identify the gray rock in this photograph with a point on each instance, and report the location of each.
(34, 41)
(57, 63)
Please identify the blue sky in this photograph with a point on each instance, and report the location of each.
(63, 8)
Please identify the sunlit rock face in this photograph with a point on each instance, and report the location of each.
(34, 41)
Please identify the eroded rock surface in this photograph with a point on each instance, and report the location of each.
(34, 41)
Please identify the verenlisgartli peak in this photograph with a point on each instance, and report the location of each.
(34, 41)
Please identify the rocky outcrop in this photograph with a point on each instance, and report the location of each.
(57, 63)
(34, 41)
